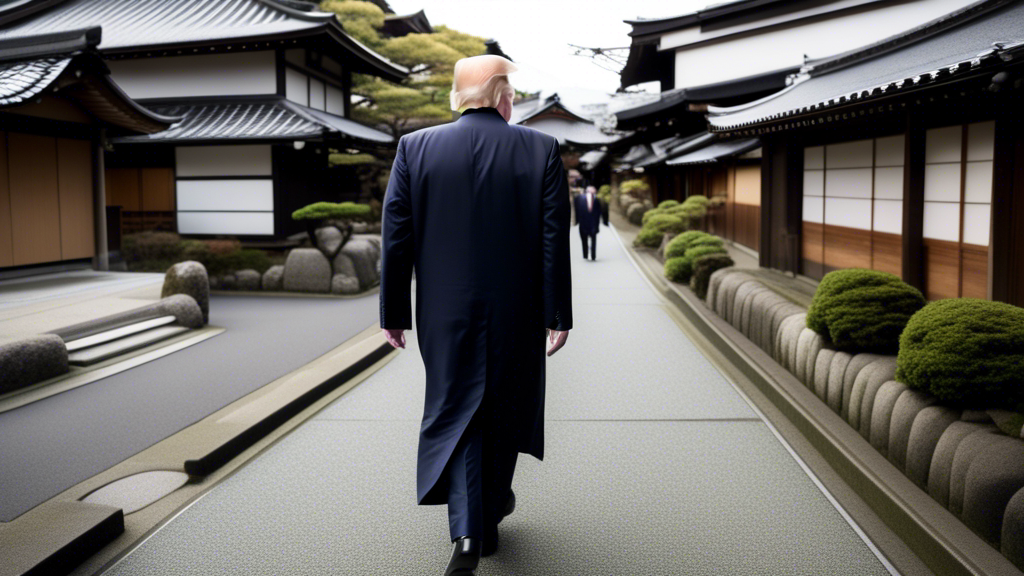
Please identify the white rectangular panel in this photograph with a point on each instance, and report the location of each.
(203, 75)
(848, 212)
(296, 86)
(889, 183)
(943, 144)
(976, 223)
(942, 221)
(942, 182)
(889, 216)
(225, 195)
(889, 151)
(857, 154)
(316, 94)
(240, 223)
(814, 182)
(814, 209)
(981, 141)
(245, 160)
(978, 182)
(814, 158)
(335, 101)
(848, 183)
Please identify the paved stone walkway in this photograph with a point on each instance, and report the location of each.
(655, 464)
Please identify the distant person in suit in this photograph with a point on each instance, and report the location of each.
(480, 209)
(588, 217)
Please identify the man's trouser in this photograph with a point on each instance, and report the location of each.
(593, 245)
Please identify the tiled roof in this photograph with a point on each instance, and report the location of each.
(20, 81)
(715, 152)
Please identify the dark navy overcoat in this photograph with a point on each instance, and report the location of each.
(480, 209)
(588, 220)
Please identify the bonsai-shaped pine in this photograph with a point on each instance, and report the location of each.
(966, 352)
(341, 215)
(860, 310)
(703, 268)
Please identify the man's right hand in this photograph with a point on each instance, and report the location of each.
(557, 339)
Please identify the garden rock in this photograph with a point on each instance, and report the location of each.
(307, 270)
(881, 414)
(360, 227)
(822, 364)
(858, 363)
(1012, 542)
(31, 359)
(1008, 422)
(928, 427)
(364, 257)
(907, 407)
(228, 282)
(995, 475)
(807, 348)
(834, 394)
(184, 308)
(775, 332)
(342, 284)
(343, 265)
(328, 240)
(869, 380)
(273, 278)
(214, 282)
(190, 278)
(969, 449)
(248, 279)
(941, 469)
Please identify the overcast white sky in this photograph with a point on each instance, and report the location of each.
(535, 33)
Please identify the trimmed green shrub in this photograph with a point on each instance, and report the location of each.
(648, 238)
(246, 259)
(604, 190)
(665, 223)
(649, 214)
(966, 352)
(151, 246)
(703, 268)
(637, 188)
(333, 211)
(860, 310)
(707, 241)
(695, 252)
(696, 200)
(666, 204)
(676, 269)
(681, 243)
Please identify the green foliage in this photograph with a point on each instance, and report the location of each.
(242, 260)
(665, 223)
(150, 246)
(707, 241)
(636, 187)
(604, 190)
(666, 204)
(650, 214)
(635, 213)
(696, 200)
(691, 254)
(703, 268)
(332, 211)
(648, 238)
(863, 310)
(338, 159)
(677, 269)
(966, 352)
(678, 245)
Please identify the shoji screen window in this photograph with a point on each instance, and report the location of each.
(957, 210)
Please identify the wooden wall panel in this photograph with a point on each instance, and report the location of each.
(6, 235)
(942, 265)
(748, 185)
(35, 204)
(157, 189)
(747, 227)
(122, 189)
(813, 250)
(847, 247)
(975, 271)
(74, 180)
(887, 252)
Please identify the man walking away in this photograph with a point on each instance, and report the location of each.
(588, 217)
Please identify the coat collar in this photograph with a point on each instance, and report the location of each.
(489, 113)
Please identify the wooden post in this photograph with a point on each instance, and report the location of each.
(913, 203)
(1006, 271)
(99, 205)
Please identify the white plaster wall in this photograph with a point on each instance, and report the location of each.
(197, 75)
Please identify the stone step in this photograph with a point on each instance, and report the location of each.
(116, 333)
(124, 345)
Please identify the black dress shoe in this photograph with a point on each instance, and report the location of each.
(510, 506)
(465, 557)
(490, 546)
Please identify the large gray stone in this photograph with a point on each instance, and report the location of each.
(928, 427)
(343, 265)
(862, 400)
(248, 279)
(969, 448)
(822, 365)
(979, 416)
(747, 312)
(742, 293)
(342, 284)
(328, 240)
(760, 321)
(907, 407)
(807, 348)
(1012, 542)
(307, 270)
(190, 278)
(184, 308)
(941, 469)
(665, 239)
(789, 337)
(364, 257)
(778, 317)
(228, 282)
(881, 414)
(214, 282)
(714, 283)
(834, 394)
(31, 359)
(858, 363)
(995, 475)
(372, 239)
(1007, 421)
(273, 278)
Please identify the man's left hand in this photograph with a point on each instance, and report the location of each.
(395, 337)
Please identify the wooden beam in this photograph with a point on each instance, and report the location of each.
(913, 203)
(1006, 271)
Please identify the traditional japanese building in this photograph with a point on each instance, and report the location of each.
(904, 155)
(262, 88)
(58, 103)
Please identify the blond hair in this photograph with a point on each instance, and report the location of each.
(481, 81)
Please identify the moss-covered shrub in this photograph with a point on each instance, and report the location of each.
(666, 204)
(681, 243)
(861, 310)
(665, 223)
(708, 240)
(695, 252)
(966, 352)
(676, 269)
(703, 268)
(648, 238)
(333, 211)
(649, 214)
